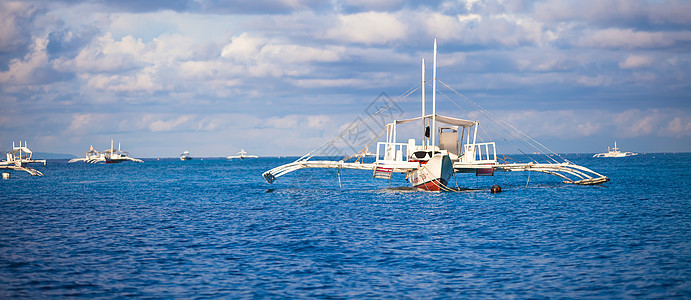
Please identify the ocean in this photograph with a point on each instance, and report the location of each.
(213, 228)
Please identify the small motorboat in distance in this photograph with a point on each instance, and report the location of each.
(614, 152)
(185, 156)
(242, 155)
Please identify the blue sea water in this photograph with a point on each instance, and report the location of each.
(214, 228)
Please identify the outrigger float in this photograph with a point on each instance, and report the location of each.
(19, 158)
(430, 165)
(109, 156)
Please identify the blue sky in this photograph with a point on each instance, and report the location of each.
(282, 77)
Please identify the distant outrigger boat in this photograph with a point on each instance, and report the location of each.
(92, 157)
(429, 166)
(185, 156)
(110, 156)
(242, 155)
(19, 158)
(614, 152)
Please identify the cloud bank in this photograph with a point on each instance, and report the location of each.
(266, 75)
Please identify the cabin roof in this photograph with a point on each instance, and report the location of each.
(442, 119)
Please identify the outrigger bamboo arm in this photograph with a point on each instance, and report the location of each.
(274, 173)
(580, 175)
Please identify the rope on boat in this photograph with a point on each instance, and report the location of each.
(442, 187)
(362, 152)
(311, 154)
(484, 132)
(490, 117)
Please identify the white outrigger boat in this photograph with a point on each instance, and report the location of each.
(110, 156)
(19, 158)
(92, 157)
(242, 155)
(116, 156)
(614, 152)
(430, 165)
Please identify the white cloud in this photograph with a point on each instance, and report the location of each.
(630, 39)
(599, 80)
(483, 29)
(249, 49)
(318, 122)
(260, 57)
(368, 28)
(287, 122)
(373, 5)
(105, 54)
(80, 123)
(677, 127)
(631, 123)
(26, 71)
(300, 121)
(139, 82)
(636, 61)
(14, 18)
(614, 11)
(341, 82)
(170, 125)
(243, 47)
(640, 123)
(554, 123)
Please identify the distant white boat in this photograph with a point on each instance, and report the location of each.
(614, 152)
(92, 157)
(185, 156)
(116, 156)
(242, 155)
(110, 156)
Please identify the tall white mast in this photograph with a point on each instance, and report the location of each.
(423, 103)
(434, 94)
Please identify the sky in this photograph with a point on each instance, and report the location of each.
(282, 77)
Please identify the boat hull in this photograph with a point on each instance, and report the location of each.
(435, 185)
(620, 154)
(433, 175)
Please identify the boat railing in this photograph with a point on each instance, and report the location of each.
(480, 153)
(392, 152)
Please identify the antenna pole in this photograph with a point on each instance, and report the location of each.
(424, 138)
(434, 95)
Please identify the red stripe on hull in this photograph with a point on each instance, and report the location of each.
(433, 186)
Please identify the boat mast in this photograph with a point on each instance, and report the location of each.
(424, 138)
(434, 94)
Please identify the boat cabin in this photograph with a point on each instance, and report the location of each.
(454, 140)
